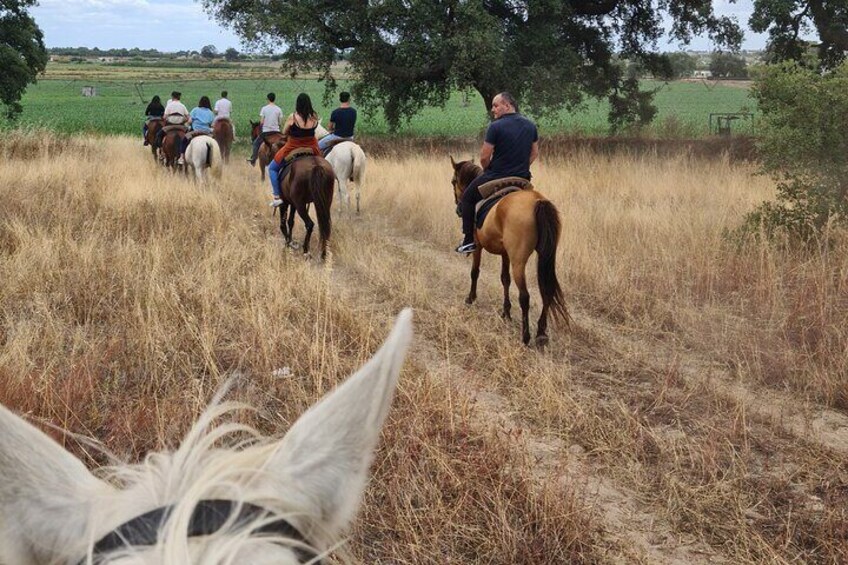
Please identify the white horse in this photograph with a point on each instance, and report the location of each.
(348, 162)
(261, 502)
(203, 152)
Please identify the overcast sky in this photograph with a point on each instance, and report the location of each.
(175, 25)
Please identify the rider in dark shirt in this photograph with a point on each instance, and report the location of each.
(342, 122)
(511, 145)
(153, 111)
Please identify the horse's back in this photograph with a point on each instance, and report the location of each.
(510, 226)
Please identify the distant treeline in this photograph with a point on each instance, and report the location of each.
(206, 52)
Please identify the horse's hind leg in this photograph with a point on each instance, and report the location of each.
(518, 266)
(475, 274)
(284, 208)
(505, 281)
(303, 212)
(291, 224)
(542, 331)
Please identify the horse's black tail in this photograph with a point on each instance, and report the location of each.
(548, 228)
(321, 184)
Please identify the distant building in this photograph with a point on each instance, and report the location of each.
(702, 74)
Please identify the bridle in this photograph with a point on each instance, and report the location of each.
(208, 517)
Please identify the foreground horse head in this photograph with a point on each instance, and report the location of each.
(309, 180)
(520, 223)
(261, 502)
(203, 154)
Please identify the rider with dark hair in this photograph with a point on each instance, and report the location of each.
(154, 111)
(512, 144)
(300, 129)
(201, 123)
(270, 117)
(342, 122)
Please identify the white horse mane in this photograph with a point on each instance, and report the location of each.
(54, 511)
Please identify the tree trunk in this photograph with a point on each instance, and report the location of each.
(488, 93)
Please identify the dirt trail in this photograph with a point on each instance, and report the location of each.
(635, 532)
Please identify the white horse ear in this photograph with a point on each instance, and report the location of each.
(327, 452)
(45, 493)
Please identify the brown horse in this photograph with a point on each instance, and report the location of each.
(520, 223)
(222, 131)
(266, 152)
(171, 147)
(308, 179)
(153, 127)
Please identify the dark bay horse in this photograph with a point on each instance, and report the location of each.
(265, 150)
(171, 147)
(309, 179)
(520, 223)
(222, 131)
(153, 127)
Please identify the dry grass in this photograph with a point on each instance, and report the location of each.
(675, 423)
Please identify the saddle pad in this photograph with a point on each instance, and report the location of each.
(297, 153)
(333, 143)
(485, 206)
(489, 188)
(174, 127)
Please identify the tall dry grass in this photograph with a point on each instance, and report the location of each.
(129, 295)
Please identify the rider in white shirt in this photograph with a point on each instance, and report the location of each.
(223, 109)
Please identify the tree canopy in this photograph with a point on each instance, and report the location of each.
(550, 54)
(22, 53)
(785, 20)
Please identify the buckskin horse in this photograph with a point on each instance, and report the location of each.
(520, 223)
(153, 127)
(222, 131)
(226, 495)
(266, 153)
(307, 179)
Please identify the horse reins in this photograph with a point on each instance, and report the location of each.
(208, 517)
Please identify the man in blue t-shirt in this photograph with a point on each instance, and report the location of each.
(512, 143)
(342, 121)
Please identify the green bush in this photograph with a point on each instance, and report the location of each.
(804, 146)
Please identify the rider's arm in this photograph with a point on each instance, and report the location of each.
(289, 122)
(486, 154)
(534, 151)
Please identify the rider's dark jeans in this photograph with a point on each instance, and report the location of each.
(257, 143)
(469, 200)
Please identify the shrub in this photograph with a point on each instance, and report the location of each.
(804, 146)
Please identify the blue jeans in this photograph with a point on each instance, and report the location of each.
(274, 176)
(325, 141)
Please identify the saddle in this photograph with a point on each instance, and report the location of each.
(333, 143)
(193, 134)
(493, 191)
(168, 128)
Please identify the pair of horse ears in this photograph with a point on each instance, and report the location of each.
(48, 497)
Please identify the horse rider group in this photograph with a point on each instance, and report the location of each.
(176, 117)
(511, 144)
(298, 129)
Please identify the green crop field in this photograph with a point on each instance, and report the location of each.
(58, 104)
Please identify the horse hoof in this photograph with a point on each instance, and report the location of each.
(469, 301)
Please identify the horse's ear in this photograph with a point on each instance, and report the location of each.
(326, 454)
(45, 494)
(453, 163)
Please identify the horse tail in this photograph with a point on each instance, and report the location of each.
(548, 229)
(359, 162)
(213, 158)
(319, 180)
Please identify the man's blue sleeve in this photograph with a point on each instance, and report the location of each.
(492, 133)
